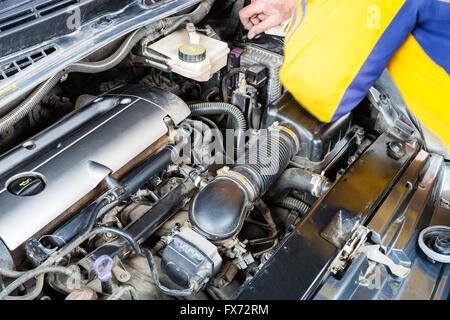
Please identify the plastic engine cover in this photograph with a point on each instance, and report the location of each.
(58, 167)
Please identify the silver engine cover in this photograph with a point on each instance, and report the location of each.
(111, 131)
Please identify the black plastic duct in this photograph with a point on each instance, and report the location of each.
(219, 209)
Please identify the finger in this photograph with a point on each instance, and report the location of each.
(246, 13)
(249, 25)
(255, 20)
(261, 27)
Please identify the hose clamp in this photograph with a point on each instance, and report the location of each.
(276, 126)
(175, 152)
(243, 181)
(318, 185)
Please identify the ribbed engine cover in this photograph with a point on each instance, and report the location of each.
(111, 131)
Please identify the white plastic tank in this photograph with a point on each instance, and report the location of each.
(208, 55)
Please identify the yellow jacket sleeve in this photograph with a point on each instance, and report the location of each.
(336, 49)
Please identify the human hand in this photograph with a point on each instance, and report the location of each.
(261, 15)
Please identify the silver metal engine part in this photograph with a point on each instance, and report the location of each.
(69, 159)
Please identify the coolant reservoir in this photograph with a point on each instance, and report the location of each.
(193, 55)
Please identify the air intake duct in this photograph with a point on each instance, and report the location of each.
(218, 211)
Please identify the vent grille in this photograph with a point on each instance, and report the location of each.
(30, 14)
(12, 67)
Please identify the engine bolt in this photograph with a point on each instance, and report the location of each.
(396, 150)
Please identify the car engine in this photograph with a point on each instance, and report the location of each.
(172, 163)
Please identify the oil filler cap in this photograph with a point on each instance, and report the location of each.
(192, 52)
(26, 185)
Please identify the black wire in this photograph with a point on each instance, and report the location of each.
(154, 272)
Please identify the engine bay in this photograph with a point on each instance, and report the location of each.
(172, 163)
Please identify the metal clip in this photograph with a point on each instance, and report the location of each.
(355, 245)
(350, 250)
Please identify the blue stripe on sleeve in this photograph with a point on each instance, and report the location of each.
(301, 20)
(294, 20)
(392, 38)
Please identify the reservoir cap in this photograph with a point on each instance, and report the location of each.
(192, 52)
(27, 185)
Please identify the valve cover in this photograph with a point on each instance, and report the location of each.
(55, 169)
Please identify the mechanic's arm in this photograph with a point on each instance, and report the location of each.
(336, 50)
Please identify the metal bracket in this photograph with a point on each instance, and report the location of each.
(373, 253)
(36, 252)
(383, 104)
(350, 250)
(356, 245)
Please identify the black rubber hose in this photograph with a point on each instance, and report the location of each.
(134, 245)
(131, 183)
(215, 108)
(266, 157)
(84, 233)
(201, 11)
(163, 289)
(151, 167)
(294, 204)
(297, 179)
(195, 16)
(217, 212)
(94, 215)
